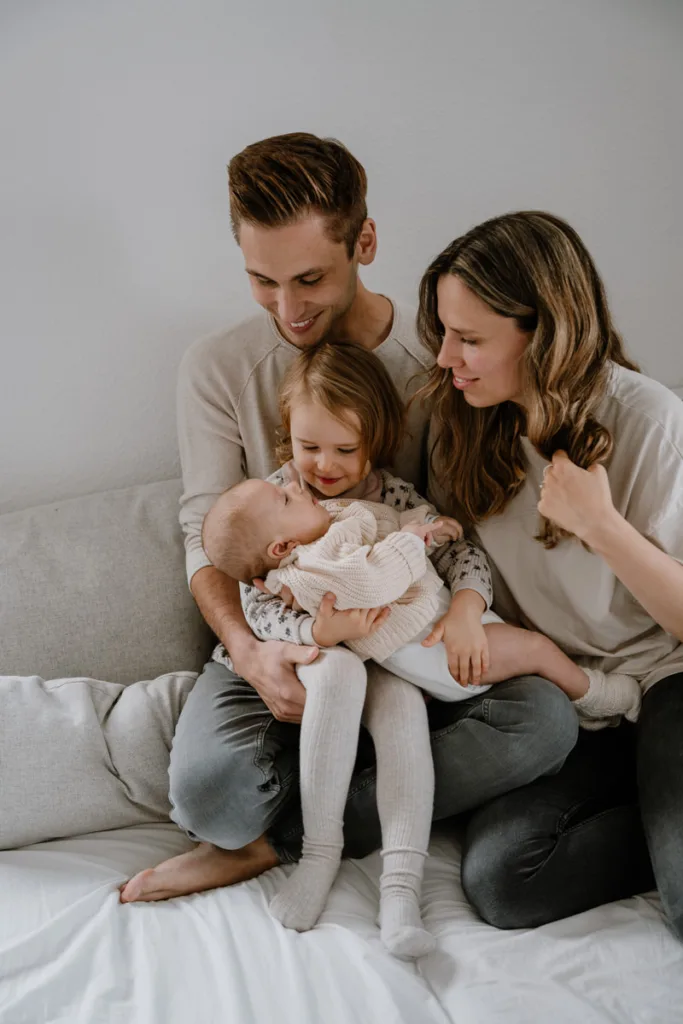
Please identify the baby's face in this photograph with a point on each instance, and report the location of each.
(289, 513)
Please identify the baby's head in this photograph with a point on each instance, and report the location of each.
(341, 416)
(255, 524)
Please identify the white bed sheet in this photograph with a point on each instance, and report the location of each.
(71, 954)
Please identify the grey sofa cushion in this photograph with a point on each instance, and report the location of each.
(80, 755)
(96, 587)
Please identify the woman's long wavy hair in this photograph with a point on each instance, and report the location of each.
(533, 267)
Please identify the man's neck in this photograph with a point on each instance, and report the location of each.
(369, 320)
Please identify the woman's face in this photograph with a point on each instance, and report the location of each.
(482, 349)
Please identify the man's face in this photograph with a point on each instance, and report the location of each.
(303, 278)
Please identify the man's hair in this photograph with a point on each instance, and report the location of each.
(344, 377)
(231, 536)
(279, 180)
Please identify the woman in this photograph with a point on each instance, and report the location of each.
(569, 464)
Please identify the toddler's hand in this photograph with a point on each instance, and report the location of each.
(285, 595)
(333, 627)
(467, 647)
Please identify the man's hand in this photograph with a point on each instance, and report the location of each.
(270, 668)
(333, 627)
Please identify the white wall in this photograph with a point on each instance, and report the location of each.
(117, 120)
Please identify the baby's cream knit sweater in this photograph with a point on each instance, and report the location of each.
(367, 562)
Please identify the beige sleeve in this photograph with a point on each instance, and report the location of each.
(211, 450)
(362, 576)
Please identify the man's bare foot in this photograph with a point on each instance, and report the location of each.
(205, 867)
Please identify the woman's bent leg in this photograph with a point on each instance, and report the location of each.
(660, 786)
(564, 843)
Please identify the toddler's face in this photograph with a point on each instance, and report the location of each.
(327, 451)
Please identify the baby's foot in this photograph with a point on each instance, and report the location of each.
(302, 899)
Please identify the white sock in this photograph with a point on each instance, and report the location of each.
(335, 693)
(609, 696)
(396, 716)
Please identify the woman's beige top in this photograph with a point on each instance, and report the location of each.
(570, 594)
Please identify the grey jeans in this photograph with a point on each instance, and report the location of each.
(234, 767)
(608, 825)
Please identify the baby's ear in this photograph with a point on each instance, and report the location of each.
(279, 549)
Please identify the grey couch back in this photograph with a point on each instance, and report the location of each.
(96, 586)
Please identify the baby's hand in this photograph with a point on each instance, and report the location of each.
(445, 529)
(333, 627)
(422, 530)
(439, 531)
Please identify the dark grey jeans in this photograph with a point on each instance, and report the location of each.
(234, 768)
(591, 833)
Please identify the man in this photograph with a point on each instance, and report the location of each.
(299, 215)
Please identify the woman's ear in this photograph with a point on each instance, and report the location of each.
(366, 469)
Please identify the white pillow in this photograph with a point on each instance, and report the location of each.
(80, 755)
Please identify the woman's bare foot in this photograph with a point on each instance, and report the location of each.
(205, 867)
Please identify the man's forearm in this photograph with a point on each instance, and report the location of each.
(218, 599)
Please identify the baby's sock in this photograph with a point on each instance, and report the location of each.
(335, 693)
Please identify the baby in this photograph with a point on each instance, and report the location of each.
(367, 553)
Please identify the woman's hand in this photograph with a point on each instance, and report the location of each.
(464, 637)
(577, 500)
